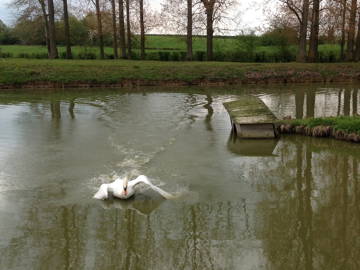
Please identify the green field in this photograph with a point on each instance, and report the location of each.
(173, 48)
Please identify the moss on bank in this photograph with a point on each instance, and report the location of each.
(343, 127)
(16, 73)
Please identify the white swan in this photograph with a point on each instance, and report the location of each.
(124, 189)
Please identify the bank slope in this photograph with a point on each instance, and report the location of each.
(26, 73)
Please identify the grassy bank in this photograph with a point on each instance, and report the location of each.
(88, 73)
(342, 127)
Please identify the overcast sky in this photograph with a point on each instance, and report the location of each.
(248, 15)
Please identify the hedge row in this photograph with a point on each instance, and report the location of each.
(239, 56)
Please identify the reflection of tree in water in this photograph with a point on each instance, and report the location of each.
(197, 244)
(321, 232)
(71, 108)
(346, 99)
(310, 103)
(299, 103)
(355, 101)
(210, 113)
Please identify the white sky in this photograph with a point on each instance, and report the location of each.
(248, 15)
(5, 15)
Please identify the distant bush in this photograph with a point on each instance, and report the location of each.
(200, 56)
(5, 54)
(86, 55)
(164, 56)
(135, 56)
(154, 56)
(174, 56)
(109, 56)
(246, 45)
(24, 55)
(39, 55)
(279, 36)
(183, 56)
(328, 57)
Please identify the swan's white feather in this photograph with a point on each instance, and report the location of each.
(117, 189)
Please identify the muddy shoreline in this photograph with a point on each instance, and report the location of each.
(249, 78)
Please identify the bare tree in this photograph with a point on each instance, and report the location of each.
(357, 50)
(301, 10)
(115, 40)
(142, 29)
(52, 33)
(189, 30)
(127, 2)
(67, 30)
(209, 10)
(46, 23)
(214, 10)
(314, 35)
(351, 32)
(122, 29)
(343, 23)
(99, 29)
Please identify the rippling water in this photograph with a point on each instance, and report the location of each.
(291, 203)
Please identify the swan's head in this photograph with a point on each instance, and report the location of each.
(125, 185)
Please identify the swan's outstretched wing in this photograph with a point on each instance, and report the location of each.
(102, 193)
(145, 180)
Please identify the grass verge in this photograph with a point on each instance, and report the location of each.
(19, 72)
(348, 124)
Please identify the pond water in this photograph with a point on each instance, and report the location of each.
(292, 203)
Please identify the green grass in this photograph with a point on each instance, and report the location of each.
(19, 71)
(348, 124)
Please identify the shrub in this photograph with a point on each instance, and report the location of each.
(152, 56)
(164, 56)
(86, 55)
(175, 56)
(109, 56)
(199, 56)
(247, 44)
(183, 56)
(5, 54)
(40, 55)
(219, 56)
(23, 55)
(135, 56)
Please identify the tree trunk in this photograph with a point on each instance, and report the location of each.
(52, 34)
(343, 22)
(142, 30)
(357, 51)
(128, 28)
(46, 23)
(115, 40)
(67, 31)
(301, 57)
(100, 32)
(209, 32)
(189, 31)
(351, 33)
(314, 36)
(122, 29)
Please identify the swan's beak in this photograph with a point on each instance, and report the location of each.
(126, 180)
